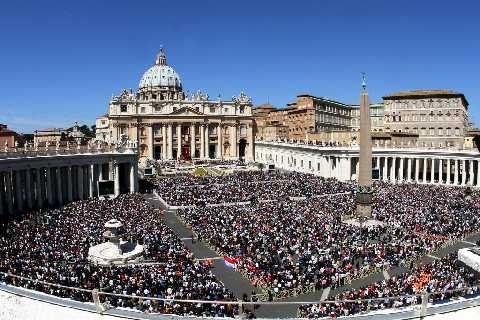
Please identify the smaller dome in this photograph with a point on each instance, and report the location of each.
(160, 75)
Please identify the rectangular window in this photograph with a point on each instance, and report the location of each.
(123, 108)
(142, 109)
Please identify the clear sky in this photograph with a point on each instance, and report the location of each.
(60, 61)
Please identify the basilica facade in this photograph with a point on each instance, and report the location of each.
(170, 124)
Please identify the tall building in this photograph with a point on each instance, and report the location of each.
(169, 124)
(419, 118)
(438, 117)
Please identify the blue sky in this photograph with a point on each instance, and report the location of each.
(60, 61)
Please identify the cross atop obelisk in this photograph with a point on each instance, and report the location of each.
(365, 191)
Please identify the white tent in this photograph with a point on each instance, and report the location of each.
(471, 257)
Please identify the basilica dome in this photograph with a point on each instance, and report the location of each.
(160, 75)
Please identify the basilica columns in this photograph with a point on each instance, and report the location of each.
(133, 168)
(207, 141)
(164, 142)
(192, 140)
(464, 173)
(202, 141)
(179, 140)
(440, 171)
(170, 141)
(151, 139)
(219, 141)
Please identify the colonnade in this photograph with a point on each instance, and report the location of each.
(447, 167)
(27, 183)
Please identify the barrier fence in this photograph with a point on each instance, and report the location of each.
(98, 297)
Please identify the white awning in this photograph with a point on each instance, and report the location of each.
(471, 257)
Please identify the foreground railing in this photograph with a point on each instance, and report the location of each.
(417, 304)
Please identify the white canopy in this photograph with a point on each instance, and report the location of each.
(471, 257)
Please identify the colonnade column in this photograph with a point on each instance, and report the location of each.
(464, 173)
(164, 141)
(392, 171)
(58, 175)
(39, 187)
(170, 141)
(18, 191)
(28, 188)
(455, 174)
(417, 170)
(440, 171)
(202, 140)
(432, 170)
(385, 168)
(470, 172)
(478, 173)
(447, 181)
(91, 179)
(192, 140)
(69, 184)
(424, 170)
(151, 139)
(80, 182)
(117, 179)
(219, 141)
(409, 169)
(400, 169)
(8, 193)
(49, 186)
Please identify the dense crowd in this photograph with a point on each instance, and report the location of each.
(243, 186)
(291, 244)
(287, 244)
(442, 275)
(52, 246)
(291, 234)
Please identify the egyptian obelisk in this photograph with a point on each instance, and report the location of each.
(364, 190)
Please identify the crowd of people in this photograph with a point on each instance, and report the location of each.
(52, 246)
(243, 186)
(288, 233)
(442, 279)
(289, 244)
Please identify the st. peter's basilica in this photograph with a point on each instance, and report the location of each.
(169, 124)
